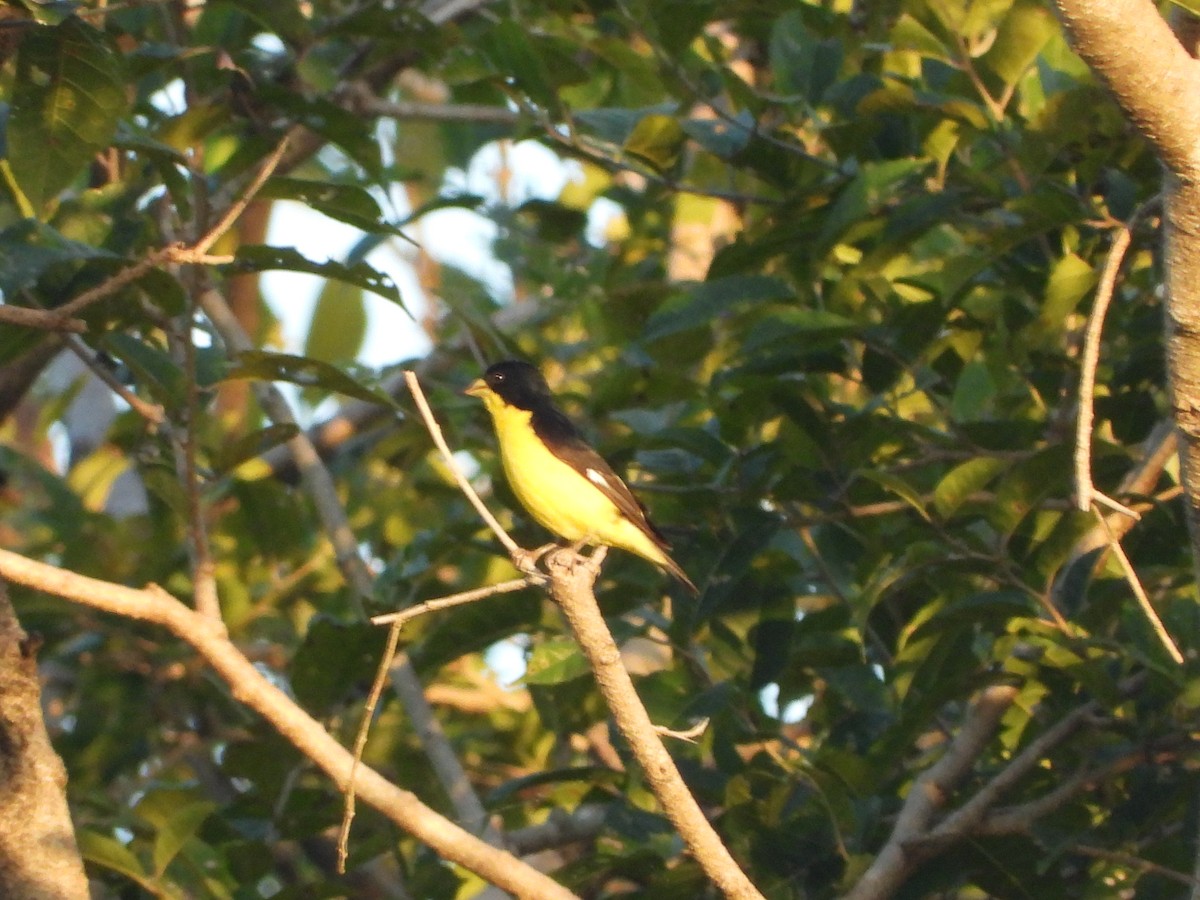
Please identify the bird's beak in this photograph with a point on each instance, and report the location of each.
(476, 388)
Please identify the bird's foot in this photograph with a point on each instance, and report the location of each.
(571, 558)
(526, 561)
(596, 560)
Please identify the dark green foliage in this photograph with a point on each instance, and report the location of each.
(832, 337)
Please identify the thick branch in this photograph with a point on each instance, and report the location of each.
(39, 859)
(245, 682)
(571, 588)
(1155, 80)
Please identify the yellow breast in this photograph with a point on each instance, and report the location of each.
(559, 498)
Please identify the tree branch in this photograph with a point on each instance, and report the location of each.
(39, 857)
(250, 687)
(930, 792)
(323, 490)
(1154, 79)
(571, 586)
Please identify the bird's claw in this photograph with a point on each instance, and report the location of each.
(526, 561)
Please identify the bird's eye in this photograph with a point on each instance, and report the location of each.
(497, 377)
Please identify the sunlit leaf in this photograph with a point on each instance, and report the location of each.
(305, 372)
(263, 258)
(339, 323)
(68, 98)
(555, 661)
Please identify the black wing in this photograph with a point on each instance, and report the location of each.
(565, 442)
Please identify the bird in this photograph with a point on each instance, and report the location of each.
(564, 484)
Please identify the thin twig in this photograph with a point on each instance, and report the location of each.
(204, 582)
(360, 743)
(1084, 488)
(45, 319)
(686, 734)
(151, 412)
(460, 479)
(115, 282)
(1136, 586)
(405, 616)
(1134, 862)
(235, 210)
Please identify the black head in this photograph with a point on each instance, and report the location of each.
(518, 383)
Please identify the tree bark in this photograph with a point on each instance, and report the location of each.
(1156, 80)
(39, 859)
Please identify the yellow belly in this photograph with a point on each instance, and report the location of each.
(558, 497)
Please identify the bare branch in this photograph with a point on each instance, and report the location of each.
(151, 412)
(44, 319)
(460, 479)
(367, 102)
(1139, 593)
(209, 639)
(1087, 367)
(321, 488)
(571, 586)
(930, 792)
(559, 829)
(401, 618)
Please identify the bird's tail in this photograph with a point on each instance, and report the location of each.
(675, 569)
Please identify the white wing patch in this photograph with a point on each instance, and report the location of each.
(597, 478)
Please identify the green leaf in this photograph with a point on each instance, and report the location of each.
(28, 249)
(261, 258)
(154, 368)
(788, 326)
(339, 324)
(111, 854)
(68, 96)
(898, 486)
(1020, 38)
(987, 608)
(1026, 484)
(282, 18)
(253, 445)
(334, 658)
(800, 62)
(973, 393)
(707, 300)
(615, 125)
(1070, 280)
(347, 203)
(657, 140)
(180, 821)
(963, 480)
(876, 184)
(588, 775)
(721, 137)
(303, 372)
(555, 661)
(515, 55)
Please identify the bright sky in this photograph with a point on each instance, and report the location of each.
(457, 236)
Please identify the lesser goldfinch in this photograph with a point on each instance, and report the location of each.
(564, 484)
